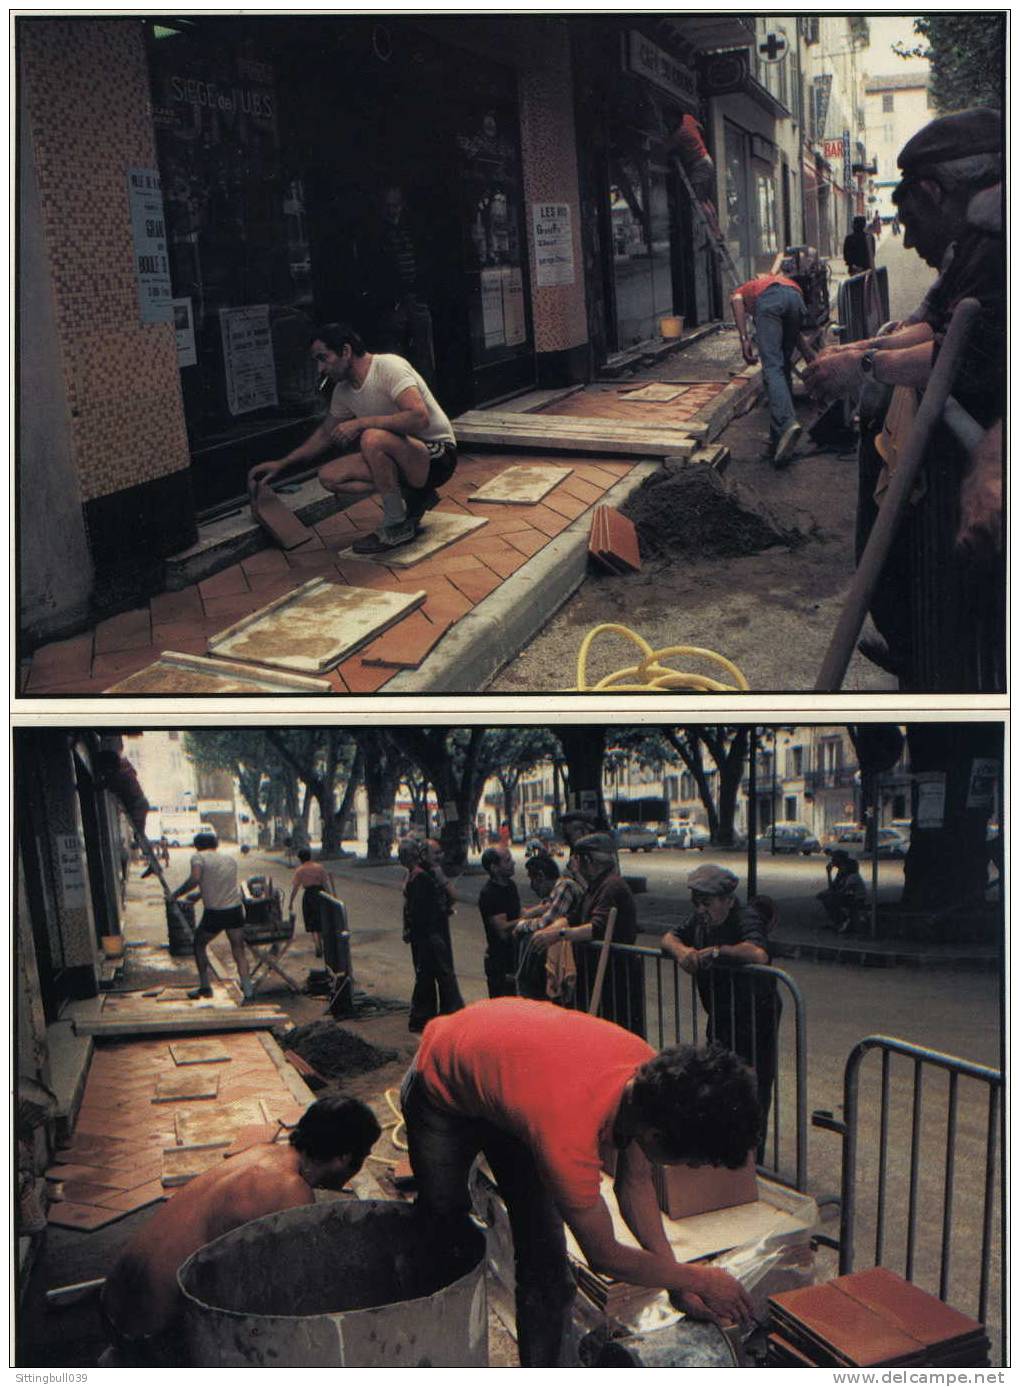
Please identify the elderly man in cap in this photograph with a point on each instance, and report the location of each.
(623, 999)
(946, 559)
(742, 1011)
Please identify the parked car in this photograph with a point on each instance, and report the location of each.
(892, 843)
(636, 837)
(852, 838)
(685, 836)
(789, 837)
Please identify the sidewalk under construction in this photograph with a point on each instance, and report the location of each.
(507, 574)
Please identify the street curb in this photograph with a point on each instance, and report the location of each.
(862, 957)
(488, 637)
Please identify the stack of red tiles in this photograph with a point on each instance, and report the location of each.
(871, 1319)
(613, 541)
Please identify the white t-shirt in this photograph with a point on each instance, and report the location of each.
(388, 377)
(217, 880)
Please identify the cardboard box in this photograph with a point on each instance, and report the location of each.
(684, 1190)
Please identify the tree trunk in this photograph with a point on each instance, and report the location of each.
(584, 753)
(946, 868)
(381, 777)
(731, 772)
(690, 754)
(346, 809)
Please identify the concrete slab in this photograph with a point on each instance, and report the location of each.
(183, 1163)
(175, 673)
(439, 529)
(219, 1125)
(520, 486)
(199, 1052)
(658, 392)
(315, 627)
(171, 1088)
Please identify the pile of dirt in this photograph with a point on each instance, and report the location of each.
(692, 510)
(336, 1053)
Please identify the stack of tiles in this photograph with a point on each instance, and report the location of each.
(871, 1319)
(614, 541)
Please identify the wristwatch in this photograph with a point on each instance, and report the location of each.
(715, 953)
(868, 363)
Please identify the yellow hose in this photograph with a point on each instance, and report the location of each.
(391, 1097)
(650, 673)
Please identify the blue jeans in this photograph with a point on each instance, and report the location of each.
(442, 1147)
(778, 320)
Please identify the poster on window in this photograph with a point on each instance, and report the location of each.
(184, 327)
(554, 243)
(148, 235)
(984, 772)
(248, 364)
(492, 308)
(71, 870)
(514, 324)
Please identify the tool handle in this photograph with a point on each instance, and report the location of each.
(600, 972)
(896, 500)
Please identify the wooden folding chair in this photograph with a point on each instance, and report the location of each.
(268, 934)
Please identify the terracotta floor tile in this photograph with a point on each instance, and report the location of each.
(265, 561)
(231, 607)
(365, 513)
(117, 666)
(476, 584)
(405, 645)
(127, 631)
(363, 573)
(445, 603)
(565, 505)
(183, 643)
(60, 662)
(453, 507)
(581, 489)
(65, 688)
(176, 606)
(593, 472)
(506, 562)
(364, 679)
(306, 563)
(617, 469)
(227, 583)
(337, 680)
(76, 1172)
(550, 522)
(86, 1191)
(528, 541)
(87, 1217)
(130, 1200)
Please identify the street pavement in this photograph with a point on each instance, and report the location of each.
(909, 277)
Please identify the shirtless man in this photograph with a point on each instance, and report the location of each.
(393, 436)
(141, 1299)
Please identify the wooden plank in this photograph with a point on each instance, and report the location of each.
(439, 530)
(606, 444)
(177, 673)
(571, 424)
(179, 1023)
(615, 430)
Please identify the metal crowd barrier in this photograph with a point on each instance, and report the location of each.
(862, 305)
(648, 993)
(966, 1150)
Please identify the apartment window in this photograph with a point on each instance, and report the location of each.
(831, 754)
(790, 808)
(687, 786)
(795, 761)
(887, 102)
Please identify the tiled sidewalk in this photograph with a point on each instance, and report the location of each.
(114, 1164)
(610, 402)
(456, 579)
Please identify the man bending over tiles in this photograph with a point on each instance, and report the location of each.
(141, 1300)
(392, 435)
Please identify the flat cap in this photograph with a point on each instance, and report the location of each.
(595, 842)
(712, 880)
(841, 855)
(977, 131)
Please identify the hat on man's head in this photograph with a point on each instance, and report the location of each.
(712, 880)
(977, 131)
(595, 842)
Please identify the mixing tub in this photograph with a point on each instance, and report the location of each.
(359, 1283)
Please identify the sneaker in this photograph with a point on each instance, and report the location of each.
(788, 440)
(387, 537)
(197, 992)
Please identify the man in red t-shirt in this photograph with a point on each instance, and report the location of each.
(776, 306)
(552, 1097)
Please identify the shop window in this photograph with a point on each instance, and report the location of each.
(641, 229)
(767, 214)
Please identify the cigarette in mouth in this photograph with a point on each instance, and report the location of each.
(323, 383)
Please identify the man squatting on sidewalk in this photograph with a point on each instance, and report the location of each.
(552, 1096)
(392, 435)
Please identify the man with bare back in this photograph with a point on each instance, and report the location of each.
(141, 1300)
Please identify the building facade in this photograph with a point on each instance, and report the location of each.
(896, 106)
(250, 176)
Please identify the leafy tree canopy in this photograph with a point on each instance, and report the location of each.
(967, 55)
